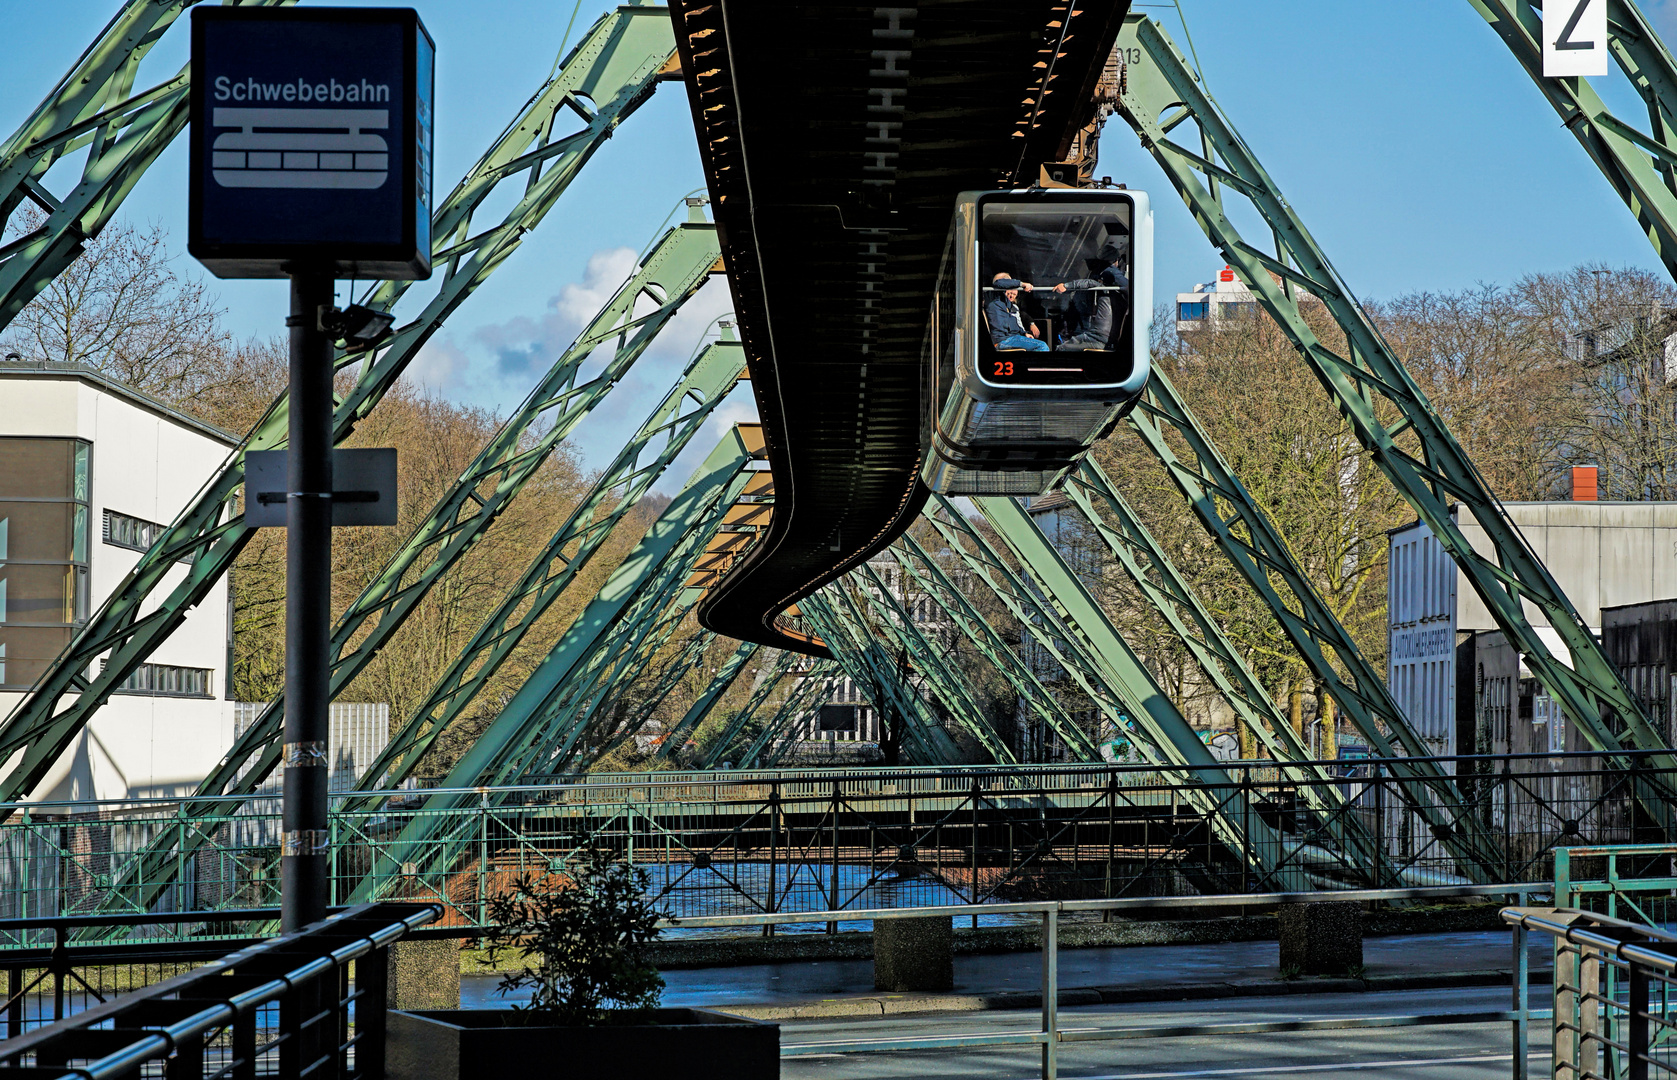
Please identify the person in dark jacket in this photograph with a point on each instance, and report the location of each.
(1007, 328)
(1091, 323)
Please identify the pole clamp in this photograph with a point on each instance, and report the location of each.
(305, 755)
(305, 842)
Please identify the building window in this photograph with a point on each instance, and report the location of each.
(131, 532)
(1243, 309)
(165, 680)
(44, 538)
(1191, 312)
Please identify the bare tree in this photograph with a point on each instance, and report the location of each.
(121, 308)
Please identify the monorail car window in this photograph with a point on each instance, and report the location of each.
(1056, 300)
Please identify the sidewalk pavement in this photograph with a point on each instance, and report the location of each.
(829, 988)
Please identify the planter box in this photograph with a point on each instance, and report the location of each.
(477, 1044)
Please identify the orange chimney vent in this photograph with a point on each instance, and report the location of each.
(1584, 483)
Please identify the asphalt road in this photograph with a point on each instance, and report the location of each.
(1441, 1052)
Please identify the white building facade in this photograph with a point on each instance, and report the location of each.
(1603, 554)
(90, 473)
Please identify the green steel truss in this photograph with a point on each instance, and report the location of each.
(95, 107)
(870, 666)
(931, 659)
(719, 684)
(1144, 700)
(602, 81)
(663, 553)
(769, 678)
(780, 733)
(1639, 161)
(1129, 542)
(931, 579)
(1160, 93)
(678, 265)
(666, 432)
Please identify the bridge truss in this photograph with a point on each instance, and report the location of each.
(564, 717)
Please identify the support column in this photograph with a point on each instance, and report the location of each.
(308, 606)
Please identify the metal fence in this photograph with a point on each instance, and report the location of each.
(1615, 996)
(811, 840)
(309, 1003)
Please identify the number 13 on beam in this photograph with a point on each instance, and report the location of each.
(1574, 38)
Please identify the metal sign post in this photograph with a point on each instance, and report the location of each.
(311, 160)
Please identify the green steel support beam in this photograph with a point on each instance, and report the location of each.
(1069, 650)
(666, 432)
(93, 106)
(642, 632)
(1639, 161)
(1159, 93)
(807, 695)
(1147, 565)
(603, 80)
(706, 701)
(865, 659)
(1156, 576)
(556, 721)
(710, 486)
(768, 680)
(930, 661)
(930, 577)
(677, 267)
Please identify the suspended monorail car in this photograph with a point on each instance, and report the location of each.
(1038, 341)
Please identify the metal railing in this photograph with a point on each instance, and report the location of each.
(309, 1003)
(815, 840)
(1615, 996)
(1051, 1034)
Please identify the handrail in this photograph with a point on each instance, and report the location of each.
(582, 782)
(161, 1040)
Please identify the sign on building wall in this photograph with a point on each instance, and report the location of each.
(1574, 38)
(311, 142)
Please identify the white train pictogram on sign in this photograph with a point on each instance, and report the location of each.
(301, 148)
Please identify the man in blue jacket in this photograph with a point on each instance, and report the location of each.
(1007, 329)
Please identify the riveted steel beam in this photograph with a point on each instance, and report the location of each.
(702, 705)
(95, 106)
(1416, 450)
(665, 433)
(919, 565)
(603, 81)
(678, 265)
(768, 681)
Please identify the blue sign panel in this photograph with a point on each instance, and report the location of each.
(311, 142)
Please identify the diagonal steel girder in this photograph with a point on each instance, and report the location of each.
(1128, 540)
(931, 661)
(690, 516)
(1639, 161)
(678, 265)
(602, 82)
(1244, 831)
(918, 563)
(700, 708)
(94, 106)
(643, 630)
(781, 728)
(833, 613)
(1159, 93)
(665, 433)
(769, 680)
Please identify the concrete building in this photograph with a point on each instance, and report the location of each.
(90, 473)
(1603, 554)
(1214, 304)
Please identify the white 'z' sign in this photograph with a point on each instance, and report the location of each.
(1574, 38)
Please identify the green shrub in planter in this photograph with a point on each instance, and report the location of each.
(594, 995)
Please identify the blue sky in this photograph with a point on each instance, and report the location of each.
(1405, 135)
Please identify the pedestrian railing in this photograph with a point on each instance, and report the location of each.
(1050, 1034)
(310, 1003)
(1615, 1009)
